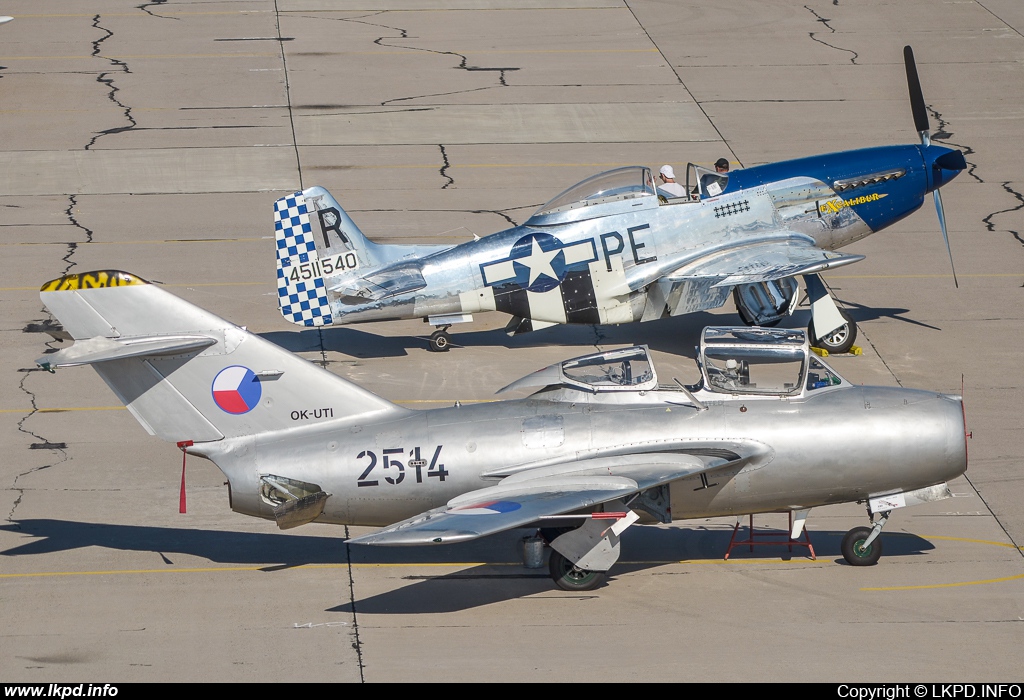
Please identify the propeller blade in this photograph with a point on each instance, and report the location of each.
(917, 105)
(945, 236)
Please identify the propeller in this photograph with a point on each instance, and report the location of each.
(917, 106)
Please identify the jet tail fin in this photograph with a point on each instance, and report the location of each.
(187, 374)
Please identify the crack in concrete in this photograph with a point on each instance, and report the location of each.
(144, 7)
(404, 34)
(72, 245)
(825, 21)
(1020, 199)
(356, 643)
(942, 135)
(45, 325)
(109, 82)
(40, 440)
(444, 168)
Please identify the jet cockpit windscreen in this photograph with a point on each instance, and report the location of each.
(758, 361)
(611, 186)
(628, 368)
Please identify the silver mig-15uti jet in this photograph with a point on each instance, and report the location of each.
(604, 441)
(615, 249)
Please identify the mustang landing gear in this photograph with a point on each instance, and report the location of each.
(440, 341)
(861, 546)
(838, 341)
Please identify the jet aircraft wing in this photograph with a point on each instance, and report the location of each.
(530, 495)
(761, 262)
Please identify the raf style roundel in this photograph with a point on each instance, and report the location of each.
(488, 508)
(236, 389)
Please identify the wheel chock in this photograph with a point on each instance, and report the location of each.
(820, 352)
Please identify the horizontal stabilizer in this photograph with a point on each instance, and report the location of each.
(92, 350)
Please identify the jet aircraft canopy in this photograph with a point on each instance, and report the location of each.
(620, 187)
(749, 362)
(768, 361)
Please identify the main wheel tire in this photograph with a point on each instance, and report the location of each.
(440, 342)
(838, 341)
(568, 577)
(854, 551)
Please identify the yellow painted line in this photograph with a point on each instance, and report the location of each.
(64, 410)
(395, 565)
(406, 52)
(967, 539)
(140, 14)
(141, 56)
(261, 567)
(165, 241)
(945, 585)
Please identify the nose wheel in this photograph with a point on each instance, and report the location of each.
(861, 546)
(440, 341)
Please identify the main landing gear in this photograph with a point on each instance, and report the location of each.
(440, 341)
(838, 341)
(581, 556)
(861, 545)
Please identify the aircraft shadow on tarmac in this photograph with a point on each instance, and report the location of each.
(676, 335)
(643, 549)
(496, 574)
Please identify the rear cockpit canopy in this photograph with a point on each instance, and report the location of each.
(624, 369)
(611, 192)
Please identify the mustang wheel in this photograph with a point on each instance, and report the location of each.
(854, 551)
(838, 341)
(568, 577)
(439, 342)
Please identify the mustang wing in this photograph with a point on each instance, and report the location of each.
(761, 262)
(527, 496)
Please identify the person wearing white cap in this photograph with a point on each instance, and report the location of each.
(669, 184)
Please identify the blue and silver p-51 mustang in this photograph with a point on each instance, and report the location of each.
(616, 249)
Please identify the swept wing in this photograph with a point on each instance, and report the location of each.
(532, 494)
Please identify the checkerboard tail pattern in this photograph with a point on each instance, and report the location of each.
(301, 301)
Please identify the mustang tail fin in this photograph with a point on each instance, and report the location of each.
(315, 239)
(187, 374)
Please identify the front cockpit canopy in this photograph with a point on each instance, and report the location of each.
(765, 361)
(620, 188)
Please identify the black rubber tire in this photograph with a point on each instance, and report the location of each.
(440, 342)
(853, 551)
(838, 341)
(567, 577)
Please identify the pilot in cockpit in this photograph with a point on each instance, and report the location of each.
(713, 185)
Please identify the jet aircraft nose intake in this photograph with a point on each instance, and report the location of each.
(945, 164)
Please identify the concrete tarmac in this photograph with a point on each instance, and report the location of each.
(155, 138)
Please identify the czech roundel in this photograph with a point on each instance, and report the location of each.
(488, 508)
(236, 389)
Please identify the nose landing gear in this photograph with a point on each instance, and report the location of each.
(861, 546)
